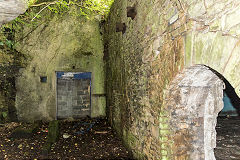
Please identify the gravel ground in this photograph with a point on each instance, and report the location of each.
(228, 138)
(83, 139)
(94, 139)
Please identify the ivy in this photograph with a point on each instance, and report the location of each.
(100, 7)
(31, 19)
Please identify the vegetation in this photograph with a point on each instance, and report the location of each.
(38, 12)
(100, 7)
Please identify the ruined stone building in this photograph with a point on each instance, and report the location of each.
(158, 69)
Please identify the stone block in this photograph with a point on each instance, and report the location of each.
(80, 92)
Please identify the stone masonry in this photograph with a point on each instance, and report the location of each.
(146, 51)
(193, 102)
(159, 113)
(73, 98)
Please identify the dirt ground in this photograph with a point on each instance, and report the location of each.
(83, 139)
(228, 139)
(90, 139)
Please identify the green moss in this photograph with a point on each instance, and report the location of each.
(21, 132)
(199, 50)
(52, 137)
(188, 49)
(164, 152)
(139, 155)
(129, 139)
(53, 131)
(164, 132)
(164, 158)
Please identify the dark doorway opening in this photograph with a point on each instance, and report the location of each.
(228, 124)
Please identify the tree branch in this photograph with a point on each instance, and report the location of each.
(44, 3)
(43, 9)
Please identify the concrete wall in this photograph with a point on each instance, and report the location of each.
(59, 43)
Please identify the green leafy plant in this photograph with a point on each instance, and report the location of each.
(4, 115)
(100, 7)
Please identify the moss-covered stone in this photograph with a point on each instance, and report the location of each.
(25, 132)
(52, 137)
(67, 42)
(53, 131)
(216, 51)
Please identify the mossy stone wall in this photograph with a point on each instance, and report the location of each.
(66, 42)
(141, 61)
(214, 39)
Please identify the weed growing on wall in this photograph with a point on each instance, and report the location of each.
(39, 13)
(10, 63)
(99, 7)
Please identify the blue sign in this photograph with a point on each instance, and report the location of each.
(74, 75)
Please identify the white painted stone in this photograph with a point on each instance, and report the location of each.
(173, 19)
(197, 10)
(197, 94)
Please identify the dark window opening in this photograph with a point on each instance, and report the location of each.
(121, 27)
(131, 12)
(43, 79)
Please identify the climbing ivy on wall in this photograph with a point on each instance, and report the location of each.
(83, 8)
(100, 7)
(10, 63)
(38, 12)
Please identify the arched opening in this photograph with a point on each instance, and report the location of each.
(230, 98)
(228, 124)
(193, 102)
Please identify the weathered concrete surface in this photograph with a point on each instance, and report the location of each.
(193, 102)
(214, 38)
(67, 43)
(10, 9)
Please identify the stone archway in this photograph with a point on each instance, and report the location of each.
(193, 101)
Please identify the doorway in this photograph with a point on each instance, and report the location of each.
(73, 94)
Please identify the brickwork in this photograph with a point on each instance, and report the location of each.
(161, 40)
(140, 63)
(73, 98)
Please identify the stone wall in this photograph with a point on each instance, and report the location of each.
(58, 42)
(214, 37)
(191, 107)
(146, 44)
(140, 62)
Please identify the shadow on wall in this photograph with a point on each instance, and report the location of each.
(230, 96)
